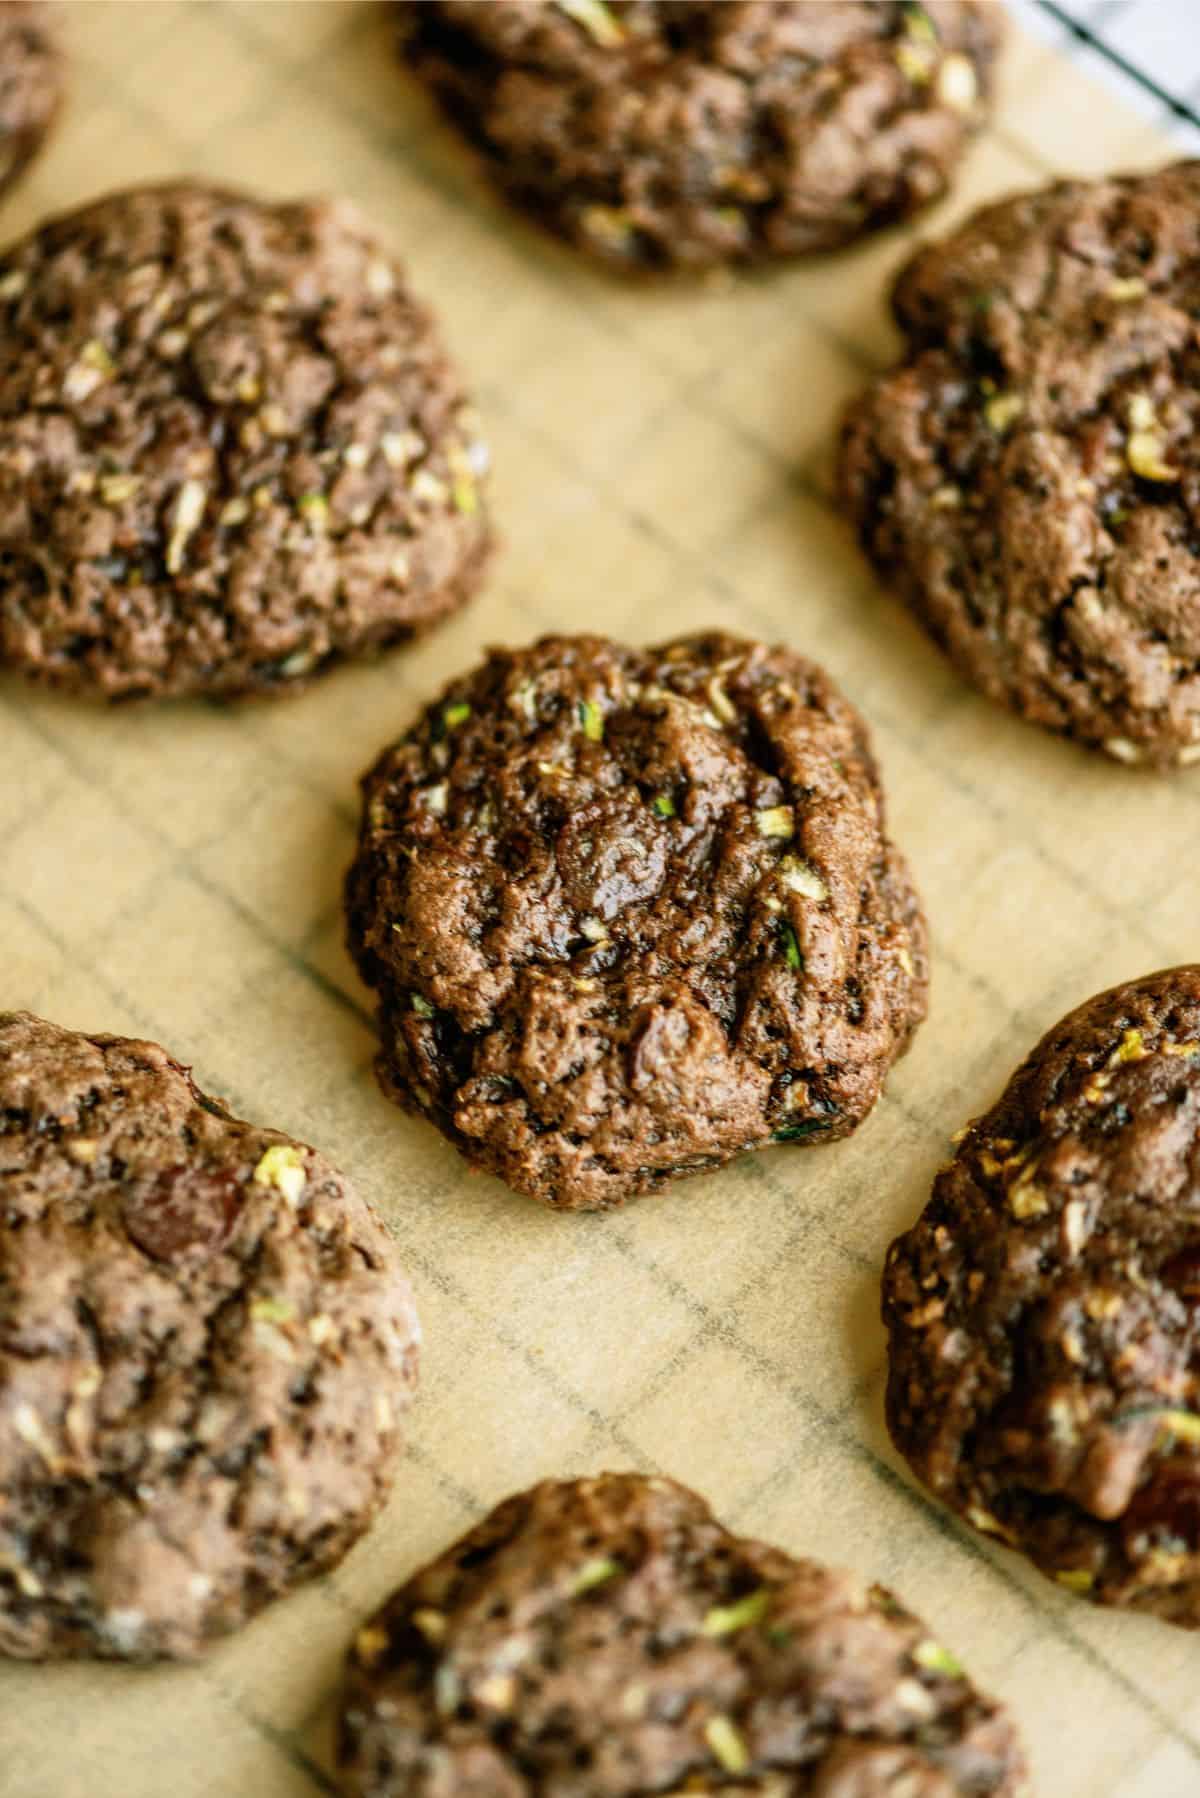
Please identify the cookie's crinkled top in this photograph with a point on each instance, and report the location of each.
(629, 912)
(1045, 1371)
(1030, 475)
(205, 1348)
(608, 1637)
(231, 446)
(657, 133)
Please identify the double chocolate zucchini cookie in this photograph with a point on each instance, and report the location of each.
(1029, 478)
(658, 133)
(1044, 1361)
(206, 1347)
(232, 449)
(607, 1637)
(630, 912)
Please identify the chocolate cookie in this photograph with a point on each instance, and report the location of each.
(1029, 477)
(205, 1349)
(30, 83)
(607, 1637)
(631, 912)
(232, 449)
(683, 132)
(1045, 1367)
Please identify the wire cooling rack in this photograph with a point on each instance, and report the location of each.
(1147, 50)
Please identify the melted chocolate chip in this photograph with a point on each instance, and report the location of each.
(186, 1210)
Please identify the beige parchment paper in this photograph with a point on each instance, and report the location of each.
(661, 463)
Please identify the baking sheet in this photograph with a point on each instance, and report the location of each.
(661, 463)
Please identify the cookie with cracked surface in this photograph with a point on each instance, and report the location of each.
(1028, 479)
(1044, 1373)
(232, 449)
(607, 1637)
(629, 913)
(657, 135)
(31, 78)
(206, 1346)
